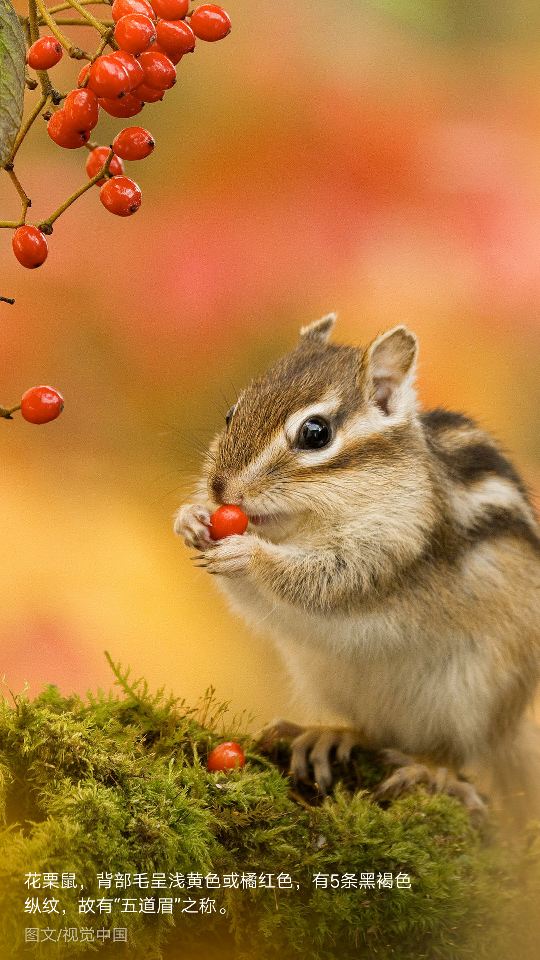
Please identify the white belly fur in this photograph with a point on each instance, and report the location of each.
(405, 685)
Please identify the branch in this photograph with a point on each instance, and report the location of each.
(6, 412)
(46, 225)
(26, 126)
(88, 17)
(25, 200)
(84, 3)
(73, 22)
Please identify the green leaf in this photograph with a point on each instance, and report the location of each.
(12, 60)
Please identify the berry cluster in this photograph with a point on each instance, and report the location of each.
(149, 39)
(38, 405)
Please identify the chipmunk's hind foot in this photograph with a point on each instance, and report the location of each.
(409, 773)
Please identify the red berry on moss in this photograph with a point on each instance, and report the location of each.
(61, 131)
(109, 78)
(128, 106)
(133, 143)
(175, 36)
(171, 9)
(81, 109)
(123, 8)
(227, 520)
(96, 160)
(41, 404)
(134, 33)
(30, 246)
(45, 53)
(210, 22)
(132, 65)
(226, 756)
(159, 72)
(121, 196)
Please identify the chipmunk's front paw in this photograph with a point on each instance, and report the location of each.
(192, 522)
(311, 745)
(231, 556)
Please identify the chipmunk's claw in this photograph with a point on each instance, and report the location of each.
(232, 555)
(192, 523)
(311, 746)
(409, 773)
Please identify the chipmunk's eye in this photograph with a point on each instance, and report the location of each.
(229, 414)
(314, 434)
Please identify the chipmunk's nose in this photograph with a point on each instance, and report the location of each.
(218, 485)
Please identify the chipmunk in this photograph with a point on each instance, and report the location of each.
(393, 555)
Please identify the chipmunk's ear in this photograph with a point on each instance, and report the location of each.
(319, 331)
(389, 365)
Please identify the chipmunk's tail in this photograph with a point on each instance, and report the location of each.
(516, 776)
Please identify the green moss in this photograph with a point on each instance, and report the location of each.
(118, 784)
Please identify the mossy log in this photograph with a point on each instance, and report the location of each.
(117, 784)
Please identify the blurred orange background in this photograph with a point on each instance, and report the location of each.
(379, 159)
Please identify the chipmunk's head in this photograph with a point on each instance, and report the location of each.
(303, 427)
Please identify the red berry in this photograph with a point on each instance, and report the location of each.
(133, 143)
(82, 75)
(227, 520)
(45, 53)
(30, 247)
(123, 8)
(134, 33)
(81, 109)
(176, 36)
(171, 9)
(95, 161)
(128, 106)
(109, 78)
(210, 22)
(61, 131)
(226, 756)
(149, 94)
(132, 65)
(173, 57)
(41, 404)
(159, 72)
(121, 196)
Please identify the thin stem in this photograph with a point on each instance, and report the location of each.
(29, 81)
(33, 29)
(75, 52)
(7, 300)
(81, 23)
(106, 40)
(26, 27)
(25, 200)
(46, 225)
(88, 16)
(84, 3)
(7, 411)
(26, 126)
